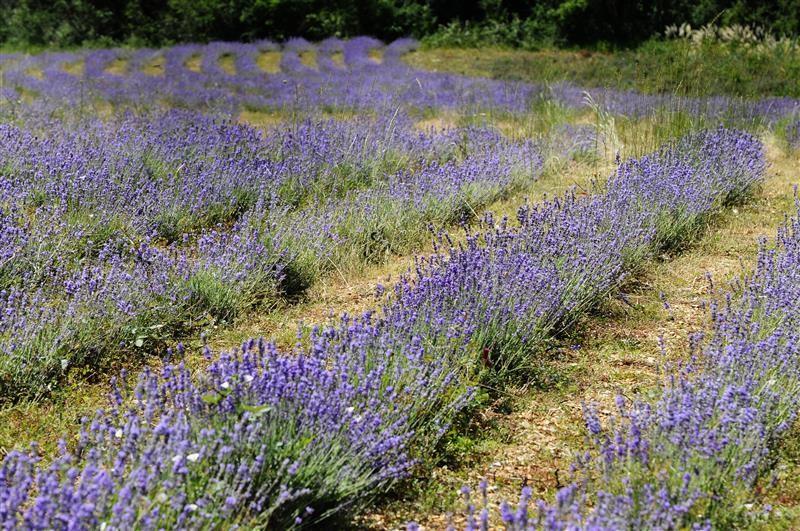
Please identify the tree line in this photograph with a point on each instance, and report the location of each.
(555, 22)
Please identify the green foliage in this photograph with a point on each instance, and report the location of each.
(61, 22)
(211, 294)
(530, 33)
(659, 66)
(77, 22)
(600, 23)
(27, 23)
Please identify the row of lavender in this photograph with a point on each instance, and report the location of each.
(694, 457)
(118, 235)
(357, 83)
(263, 437)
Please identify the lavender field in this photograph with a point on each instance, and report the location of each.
(454, 263)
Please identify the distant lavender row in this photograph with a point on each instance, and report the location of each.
(268, 438)
(356, 83)
(360, 83)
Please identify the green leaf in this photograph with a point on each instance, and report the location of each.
(211, 398)
(256, 411)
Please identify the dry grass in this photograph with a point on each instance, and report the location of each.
(48, 421)
(35, 72)
(228, 64)
(154, 67)
(269, 62)
(309, 58)
(352, 293)
(437, 123)
(195, 63)
(338, 59)
(118, 67)
(376, 55)
(74, 67)
(271, 119)
(26, 95)
(264, 120)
